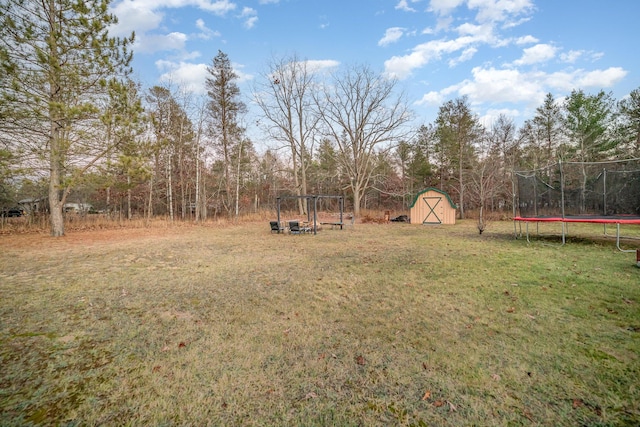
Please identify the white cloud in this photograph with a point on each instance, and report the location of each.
(242, 76)
(251, 17)
(392, 35)
(316, 65)
(526, 40)
(431, 98)
(404, 5)
(468, 29)
(150, 43)
(571, 56)
(218, 7)
(500, 10)
(250, 22)
(466, 55)
(444, 7)
(491, 115)
(597, 79)
(491, 86)
(268, 1)
(205, 32)
(134, 16)
(402, 66)
(481, 33)
(143, 16)
(191, 77)
(471, 35)
(536, 54)
(444, 23)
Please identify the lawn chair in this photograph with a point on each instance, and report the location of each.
(294, 227)
(275, 227)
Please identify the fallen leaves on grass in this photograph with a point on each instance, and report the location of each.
(360, 360)
(440, 402)
(577, 403)
(511, 310)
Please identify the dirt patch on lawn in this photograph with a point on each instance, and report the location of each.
(85, 238)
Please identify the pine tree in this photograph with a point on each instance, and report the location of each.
(457, 130)
(58, 62)
(225, 109)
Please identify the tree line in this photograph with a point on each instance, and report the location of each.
(74, 126)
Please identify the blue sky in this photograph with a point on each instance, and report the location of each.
(505, 55)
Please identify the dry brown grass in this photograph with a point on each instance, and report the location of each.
(390, 324)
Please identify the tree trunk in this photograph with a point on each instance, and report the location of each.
(150, 206)
(55, 136)
(356, 201)
(169, 173)
(197, 212)
(108, 203)
(238, 182)
(129, 215)
(55, 204)
(460, 168)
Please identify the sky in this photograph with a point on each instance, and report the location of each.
(504, 55)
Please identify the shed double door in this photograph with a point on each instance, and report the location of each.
(435, 210)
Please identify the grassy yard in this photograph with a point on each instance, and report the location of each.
(378, 325)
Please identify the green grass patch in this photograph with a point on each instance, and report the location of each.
(378, 325)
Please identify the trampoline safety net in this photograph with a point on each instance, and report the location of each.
(603, 189)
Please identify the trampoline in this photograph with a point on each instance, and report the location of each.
(579, 192)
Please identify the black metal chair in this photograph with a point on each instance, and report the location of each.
(294, 227)
(275, 227)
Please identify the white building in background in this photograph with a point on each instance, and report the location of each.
(32, 205)
(77, 207)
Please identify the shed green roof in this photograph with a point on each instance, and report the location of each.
(444, 193)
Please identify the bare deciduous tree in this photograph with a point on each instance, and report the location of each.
(289, 113)
(361, 112)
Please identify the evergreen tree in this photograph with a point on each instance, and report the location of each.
(629, 109)
(548, 124)
(225, 109)
(457, 130)
(58, 62)
(587, 122)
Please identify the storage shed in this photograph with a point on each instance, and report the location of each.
(433, 206)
